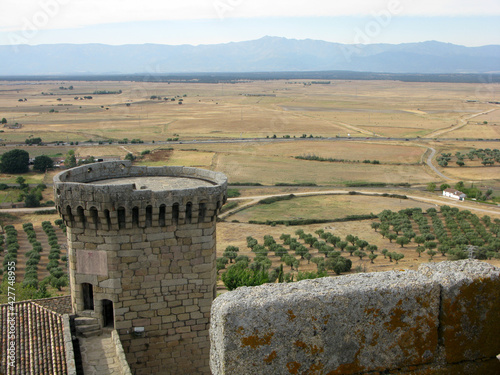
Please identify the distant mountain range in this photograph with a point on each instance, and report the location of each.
(268, 54)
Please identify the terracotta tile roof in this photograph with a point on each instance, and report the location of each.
(39, 340)
(60, 305)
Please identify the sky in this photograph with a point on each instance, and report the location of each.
(118, 22)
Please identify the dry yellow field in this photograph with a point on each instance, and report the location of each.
(359, 108)
(262, 109)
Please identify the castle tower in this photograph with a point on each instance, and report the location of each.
(141, 244)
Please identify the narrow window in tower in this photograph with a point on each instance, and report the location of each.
(121, 218)
(135, 216)
(149, 216)
(94, 216)
(175, 213)
(202, 212)
(189, 212)
(81, 214)
(161, 217)
(108, 218)
(70, 214)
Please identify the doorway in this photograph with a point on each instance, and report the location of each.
(88, 296)
(107, 313)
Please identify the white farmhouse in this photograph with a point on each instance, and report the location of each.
(454, 193)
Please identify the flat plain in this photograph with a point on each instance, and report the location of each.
(378, 132)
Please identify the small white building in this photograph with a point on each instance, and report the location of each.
(454, 193)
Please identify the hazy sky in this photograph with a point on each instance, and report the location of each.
(465, 22)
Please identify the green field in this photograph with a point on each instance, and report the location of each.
(324, 208)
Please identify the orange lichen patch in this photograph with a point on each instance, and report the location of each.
(375, 313)
(309, 349)
(314, 319)
(270, 357)
(414, 342)
(240, 330)
(291, 315)
(347, 368)
(470, 320)
(293, 367)
(254, 341)
(326, 318)
(396, 320)
(315, 368)
(425, 303)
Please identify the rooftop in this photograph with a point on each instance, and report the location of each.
(156, 183)
(40, 345)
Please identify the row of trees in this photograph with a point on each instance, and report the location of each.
(58, 278)
(487, 157)
(451, 238)
(290, 252)
(31, 287)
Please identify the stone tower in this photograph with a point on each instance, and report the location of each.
(141, 245)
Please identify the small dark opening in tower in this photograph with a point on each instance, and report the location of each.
(135, 216)
(107, 313)
(108, 218)
(88, 296)
(161, 216)
(189, 212)
(94, 215)
(175, 213)
(70, 214)
(81, 214)
(149, 216)
(202, 212)
(121, 218)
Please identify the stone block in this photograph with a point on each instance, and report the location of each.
(345, 325)
(111, 283)
(470, 308)
(130, 253)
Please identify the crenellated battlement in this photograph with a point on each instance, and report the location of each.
(117, 195)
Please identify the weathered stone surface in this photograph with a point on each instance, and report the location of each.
(470, 307)
(111, 283)
(343, 325)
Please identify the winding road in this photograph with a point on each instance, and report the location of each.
(433, 167)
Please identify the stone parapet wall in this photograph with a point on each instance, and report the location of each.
(68, 346)
(120, 354)
(442, 319)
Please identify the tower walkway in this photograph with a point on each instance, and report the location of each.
(99, 355)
